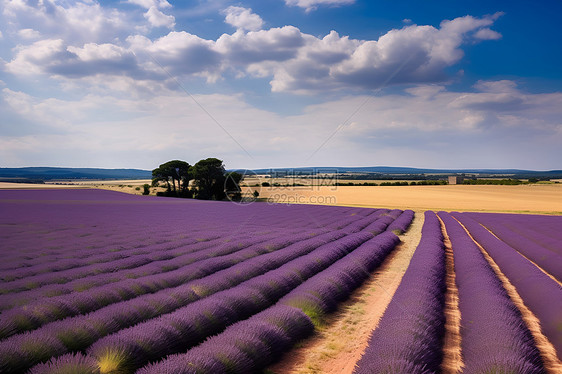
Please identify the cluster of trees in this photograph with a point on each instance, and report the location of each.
(206, 180)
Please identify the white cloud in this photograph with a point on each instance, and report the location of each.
(180, 53)
(243, 18)
(77, 21)
(487, 34)
(37, 57)
(158, 19)
(150, 3)
(29, 34)
(106, 128)
(412, 54)
(309, 5)
(275, 44)
(296, 62)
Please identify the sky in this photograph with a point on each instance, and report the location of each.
(281, 83)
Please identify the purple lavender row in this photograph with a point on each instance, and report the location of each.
(274, 331)
(134, 347)
(100, 238)
(81, 285)
(166, 257)
(245, 347)
(549, 242)
(103, 255)
(79, 332)
(545, 230)
(362, 223)
(42, 215)
(8, 301)
(241, 347)
(541, 294)
(38, 313)
(494, 337)
(385, 218)
(400, 225)
(409, 337)
(549, 261)
(320, 294)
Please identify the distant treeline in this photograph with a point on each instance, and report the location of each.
(397, 183)
(22, 180)
(509, 181)
(391, 177)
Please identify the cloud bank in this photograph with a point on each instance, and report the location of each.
(294, 61)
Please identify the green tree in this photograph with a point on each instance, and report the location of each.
(232, 185)
(208, 176)
(175, 171)
(146, 189)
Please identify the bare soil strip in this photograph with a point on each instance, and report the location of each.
(337, 347)
(548, 352)
(452, 358)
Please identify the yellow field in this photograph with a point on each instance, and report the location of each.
(529, 198)
(533, 198)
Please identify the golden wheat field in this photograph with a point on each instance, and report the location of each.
(533, 198)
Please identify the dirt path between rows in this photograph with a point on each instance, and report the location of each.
(452, 358)
(337, 347)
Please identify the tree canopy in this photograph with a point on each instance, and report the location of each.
(208, 175)
(174, 171)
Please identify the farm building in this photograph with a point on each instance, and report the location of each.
(456, 179)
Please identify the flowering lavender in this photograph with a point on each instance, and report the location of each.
(494, 336)
(542, 295)
(548, 260)
(245, 347)
(401, 224)
(101, 272)
(409, 336)
(68, 364)
(213, 314)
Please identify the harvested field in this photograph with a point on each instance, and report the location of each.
(538, 198)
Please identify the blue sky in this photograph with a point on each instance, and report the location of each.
(281, 83)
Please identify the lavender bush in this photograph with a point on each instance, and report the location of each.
(409, 336)
(494, 336)
(541, 294)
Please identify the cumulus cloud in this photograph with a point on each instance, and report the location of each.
(275, 44)
(242, 18)
(151, 3)
(309, 5)
(158, 19)
(53, 57)
(487, 34)
(179, 52)
(77, 21)
(295, 61)
(29, 34)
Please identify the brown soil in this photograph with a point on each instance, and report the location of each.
(548, 352)
(452, 359)
(337, 347)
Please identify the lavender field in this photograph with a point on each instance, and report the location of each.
(97, 281)
(494, 331)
